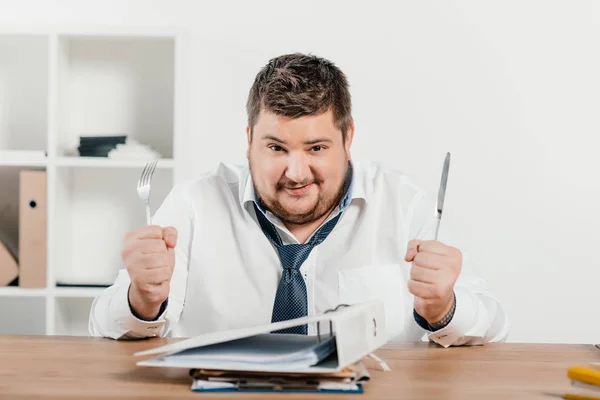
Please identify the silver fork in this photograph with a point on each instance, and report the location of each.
(143, 186)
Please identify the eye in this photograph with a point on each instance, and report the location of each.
(275, 148)
(317, 148)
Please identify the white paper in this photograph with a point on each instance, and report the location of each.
(282, 351)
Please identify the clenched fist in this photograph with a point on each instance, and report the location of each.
(435, 269)
(149, 256)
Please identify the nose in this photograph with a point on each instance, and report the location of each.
(298, 169)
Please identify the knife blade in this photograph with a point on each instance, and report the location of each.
(442, 194)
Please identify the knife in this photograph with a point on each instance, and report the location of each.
(442, 194)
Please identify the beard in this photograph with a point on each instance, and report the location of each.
(323, 205)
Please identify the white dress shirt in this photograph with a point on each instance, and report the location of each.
(227, 271)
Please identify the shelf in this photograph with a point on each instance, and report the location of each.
(115, 86)
(22, 158)
(15, 291)
(71, 316)
(87, 30)
(82, 292)
(96, 207)
(82, 162)
(23, 316)
(103, 162)
(23, 163)
(59, 84)
(24, 93)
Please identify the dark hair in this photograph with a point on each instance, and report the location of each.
(295, 85)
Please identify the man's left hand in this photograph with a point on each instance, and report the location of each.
(435, 268)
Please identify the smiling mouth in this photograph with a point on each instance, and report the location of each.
(298, 191)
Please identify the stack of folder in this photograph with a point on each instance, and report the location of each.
(255, 359)
(99, 146)
(348, 380)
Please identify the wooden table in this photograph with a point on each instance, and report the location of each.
(81, 368)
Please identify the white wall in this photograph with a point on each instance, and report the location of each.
(511, 88)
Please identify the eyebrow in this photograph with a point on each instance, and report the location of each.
(312, 141)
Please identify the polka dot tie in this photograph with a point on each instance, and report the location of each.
(291, 300)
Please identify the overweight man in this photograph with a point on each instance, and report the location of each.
(298, 230)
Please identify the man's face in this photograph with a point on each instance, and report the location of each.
(298, 165)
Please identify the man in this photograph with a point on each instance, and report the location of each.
(299, 231)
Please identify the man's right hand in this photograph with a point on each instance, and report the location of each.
(149, 256)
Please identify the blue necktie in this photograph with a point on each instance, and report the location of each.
(291, 300)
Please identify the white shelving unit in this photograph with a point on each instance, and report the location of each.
(57, 84)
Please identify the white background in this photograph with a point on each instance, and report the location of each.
(511, 88)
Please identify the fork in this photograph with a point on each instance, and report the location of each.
(143, 186)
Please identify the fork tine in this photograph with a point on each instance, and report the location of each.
(151, 171)
(144, 173)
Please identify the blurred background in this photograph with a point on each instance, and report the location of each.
(510, 88)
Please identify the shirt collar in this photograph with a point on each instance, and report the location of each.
(354, 189)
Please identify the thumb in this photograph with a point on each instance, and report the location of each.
(412, 250)
(170, 236)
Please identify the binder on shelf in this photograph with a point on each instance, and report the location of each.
(8, 266)
(344, 337)
(32, 229)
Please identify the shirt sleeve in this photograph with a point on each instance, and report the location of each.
(478, 317)
(111, 315)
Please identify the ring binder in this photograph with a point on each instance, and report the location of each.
(330, 322)
(358, 329)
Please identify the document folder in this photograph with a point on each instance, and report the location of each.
(32, 229)
(344, 336)
(349, 380)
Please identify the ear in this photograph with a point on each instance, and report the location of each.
(249, 138)
(349, 138)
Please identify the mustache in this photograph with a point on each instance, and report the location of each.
(294, 185)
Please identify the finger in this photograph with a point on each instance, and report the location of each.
(170, 236)
(149, 232)
(424, 275)
(150, 246)
(412, 249)
(429, 260)
(422, 290)
(153, 261)
(433, 246)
